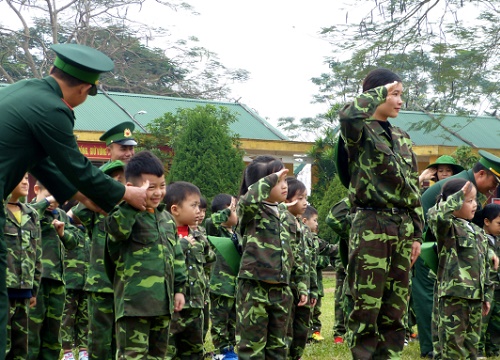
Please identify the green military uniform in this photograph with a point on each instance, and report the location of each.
(46, 317)
(263, 295)
(387, 219)
(101, 336)
(24, 270)
(222, 287)
(148, 265)
(462, 279)
(186, 332)
(74, 328)
(37, 135)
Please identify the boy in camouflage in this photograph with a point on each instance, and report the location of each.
(186, 333)
(223, 279)
(22, 235)
(387, 216)
(263, 294)
(99, 287)
(301, 278)
(149, 272)
(490, 332)
(58, 235)
(463, 287)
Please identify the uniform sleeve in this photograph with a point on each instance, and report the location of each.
(38, 260)
(248, 206)
(120, 221)
(180, 270)
(72, 235)
(440, 216)
(220, 216)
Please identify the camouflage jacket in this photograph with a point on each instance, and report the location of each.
(494, 247)
(222, 278)
(148, 261)
(463, 269)
(339, 220)
(76, 264)
(54, 247)
(196, 258)
(24, 249)
(97, 279)
(267, 252)
(383, 170)
(303, 278)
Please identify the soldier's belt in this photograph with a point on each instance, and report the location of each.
(393, 210)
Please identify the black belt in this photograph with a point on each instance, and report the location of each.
(393, 210)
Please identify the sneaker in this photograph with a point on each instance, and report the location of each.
(406, 342)
(83, 355)
(338, 340)
(316, 336)
(229, 354)
(68, 356)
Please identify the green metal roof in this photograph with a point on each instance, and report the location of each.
(482, 131)
(98, 113)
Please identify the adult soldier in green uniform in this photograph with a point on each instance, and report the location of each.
(37, 136)
(120, 142)
(485, 176)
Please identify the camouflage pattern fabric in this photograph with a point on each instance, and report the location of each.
(17, 330)
(101, 337)
(142, 337)
(76, 264)
(339, 325)
(186, 335)
(148, 261)
(186, 330)
(315, 316)
(45, 321)
(298, 327)
(262, 313)
(462, 278)
(223, 316)
(490, 332)
(74, 327)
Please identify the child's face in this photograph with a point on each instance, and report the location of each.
(469, 206)
(443, 171)
(492, 227)
(155, 191)
(312, 223)
(300, 206)
(279, 191)
(201, 216)
(22, 188)
(188, 211)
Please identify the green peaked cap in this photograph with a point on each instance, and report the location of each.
(120, 134)
(491, 162)
(82, 62)
(108, 168)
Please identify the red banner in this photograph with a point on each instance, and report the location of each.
(94, 150)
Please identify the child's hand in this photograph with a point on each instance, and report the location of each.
(313, 302)
(179, 301)
(32, 301)
(303, 300)
(467, 188)
(415, 252)
(288, 204)
(282, 173)
(495, 262)
(59, 226)
(427, 174)
(486, 308)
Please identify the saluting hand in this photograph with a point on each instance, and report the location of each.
(282, 173)
(136, 196)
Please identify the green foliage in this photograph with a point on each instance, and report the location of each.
(206, 151)
(465, 157)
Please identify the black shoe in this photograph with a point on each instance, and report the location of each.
(429, 355)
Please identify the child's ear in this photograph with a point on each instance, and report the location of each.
(174, 210)
(36, 189)
(129, 184)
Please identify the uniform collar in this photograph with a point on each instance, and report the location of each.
(54, 85)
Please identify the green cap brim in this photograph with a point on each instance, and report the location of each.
(80, 74)
(226, 248)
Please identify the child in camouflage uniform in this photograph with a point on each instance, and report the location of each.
(58, 235)
(186, 333)
(223, 279)
(24, 268)
(387, 216)
(263, 295)
(303, 278)
(490, 333)
(463, 287)
(149, 273)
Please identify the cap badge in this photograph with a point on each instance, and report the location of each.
(127, 133)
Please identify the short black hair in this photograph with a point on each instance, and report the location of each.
(295, 187)
(451, 187)
(221, 202)
(144, 162)
(259, 168)
(203, 203)
(310, 212)
(379, 77)
(178, 191)
(68, 79)
(491, 211)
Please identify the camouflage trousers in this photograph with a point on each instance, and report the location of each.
(206, 319)
(186, 335)
(101, 338)
(490, 331)
(223, 315)
(262, 313)
(459, 327)
(378, 275)
(74, 328)
(339, 328)
(315, 317)
(17, 329)
(139, 338)
(298, 327)
(45, 321)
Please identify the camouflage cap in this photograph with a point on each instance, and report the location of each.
(491, 162)
(120, 134)
(112, 166)
(82, 62)
(447, 160)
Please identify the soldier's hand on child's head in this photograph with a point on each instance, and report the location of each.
(136, 196)
(59, 226)
(179, 301)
